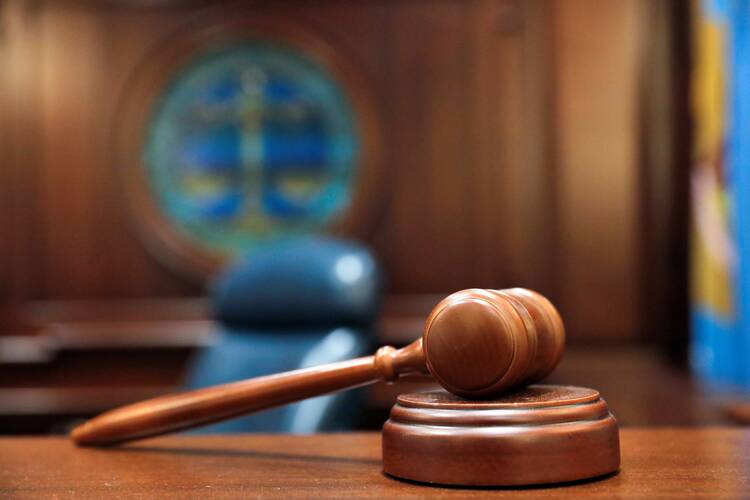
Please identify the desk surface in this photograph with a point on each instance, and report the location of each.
(683, 463)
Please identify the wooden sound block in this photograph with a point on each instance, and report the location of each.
(538, 434)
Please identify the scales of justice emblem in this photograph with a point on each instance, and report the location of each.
(251, 143)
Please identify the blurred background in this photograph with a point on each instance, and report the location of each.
(196, 192)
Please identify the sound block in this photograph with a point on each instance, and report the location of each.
(536, 435)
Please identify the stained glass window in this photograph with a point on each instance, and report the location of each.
(249, 143)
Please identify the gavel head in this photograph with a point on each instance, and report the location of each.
(480, 343)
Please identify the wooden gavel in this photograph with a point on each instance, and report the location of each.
(476, 344)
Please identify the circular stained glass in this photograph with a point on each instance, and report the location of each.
(250, 143)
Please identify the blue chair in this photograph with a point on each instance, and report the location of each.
(292, 305)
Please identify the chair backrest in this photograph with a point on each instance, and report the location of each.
(300, 283)
(296, 304)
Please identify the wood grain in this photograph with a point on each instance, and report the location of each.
(509, 146)
(596, 150)
(539, 434)
(676, 463)
(448, 91)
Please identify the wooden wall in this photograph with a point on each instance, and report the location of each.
(598, 52)
(510, 141)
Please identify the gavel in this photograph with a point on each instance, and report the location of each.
(477, 344)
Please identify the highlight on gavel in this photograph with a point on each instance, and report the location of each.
(484, 347)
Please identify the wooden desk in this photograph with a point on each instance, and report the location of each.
(680, 463)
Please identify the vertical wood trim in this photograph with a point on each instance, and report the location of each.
(665, 127)
(21, 146)
(72, 172)
(6, 158)
(597, 72)
(490, 251)
(537, 174)
(513, 188)
(512, 122)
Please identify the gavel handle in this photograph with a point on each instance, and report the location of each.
(204, 406)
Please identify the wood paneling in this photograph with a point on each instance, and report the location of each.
(597, 59)
(69, 236)
(509, 134)
(448, 83)
(19, 151)
(666, 130)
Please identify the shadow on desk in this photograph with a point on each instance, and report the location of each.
(235, 453)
